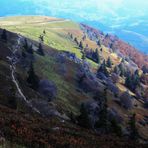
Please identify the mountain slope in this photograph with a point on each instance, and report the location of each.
(60, 70)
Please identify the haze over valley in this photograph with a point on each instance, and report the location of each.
(125, 18)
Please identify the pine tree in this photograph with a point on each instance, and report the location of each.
(117, 70)
(132, 80)
(83, 119)
(104, 110)
(41, 38)
(103, 69)
(30, 50)
(44, 32)
(109, 62)
(133, 128)
(145, 69)
(97, 56)
(83, 55)
(103, 121)
(23, 54)
(116, 128)
(99, 43)
(122, 70)
(111, 45)
(71, 36)
(25, 44)
(40, 50)
(4, 35)
(76, 40)
(128, 81)
(32, 79)
(84, 37)
(81, 45)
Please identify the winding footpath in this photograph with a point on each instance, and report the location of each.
(13, 61)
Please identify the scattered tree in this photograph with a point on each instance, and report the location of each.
(4, 35)
(133, 128)
(83, 119)
(132, 80)
(97, 56)
(109, 62)
(126, 100)
(99, 43)
(102, 115)
(23, 54)
(40, 50)
(30, 50)
(84, 37)
(83, 55)
(122, 69)
(117, 70)
(145, 69)
(81, 45)
(44, 32)
(116, 128)
(41, 38)
(76, 40)
(71, 36)
(25, 44)
(32, 79)
(103, 69)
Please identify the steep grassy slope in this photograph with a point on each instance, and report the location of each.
(56, 33)
(63, 72)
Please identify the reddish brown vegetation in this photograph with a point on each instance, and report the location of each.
(38, 132)
(117, 44)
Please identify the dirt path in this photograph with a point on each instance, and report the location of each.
(13, 60)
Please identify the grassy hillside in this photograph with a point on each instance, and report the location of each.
(63, 73)
(56, 33)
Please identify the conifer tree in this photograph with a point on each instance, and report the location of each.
(122, 70)
(102, 115)
(4, 35)
(44, 32)
(103, 69)
(41, 38)
(97, 56)
(40, 50)
(83, 55)
(145, 69)
(71, 36)
(132, 80)
(109, 62)
(83, 119)
(32, 79)
(117, 70)
(81, 45)
(25, 44)
(76, 40)
(99, 43)
(133, 128)
(30, 50)
(128, 81)
(104, 110)
(23, 54)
